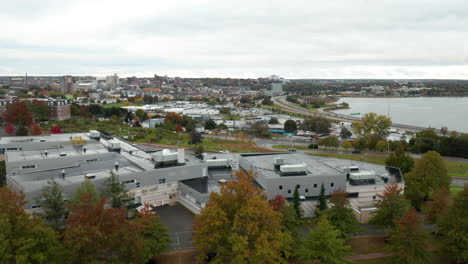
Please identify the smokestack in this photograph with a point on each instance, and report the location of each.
(116, 166)
(63, 175)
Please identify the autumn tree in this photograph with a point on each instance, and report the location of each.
(400, 159)
(297, 203)
(101, 235)
(347, 144)
(35, 129)
(53, 204)
(322, 202)
(453, 226)
(56, 129)
(408, 242)
(316, 123)
(25, 239)
(372, 126)
(173, 118)
(239, 225)
(195, 138)
(438, 206)
(324, 244)
(330, 141)
(153, 233)
(10, 129)
(381, 146)
(391, 206)
(39, 109)
(341, 215)
(17, 113)
(116, 192)
(427, 177)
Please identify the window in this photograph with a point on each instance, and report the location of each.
(138, 199)
(289, 191)
(129, 181)
(332, 184)
(315, 185)
(281, 187)
(298, 186)
(198, 203)
(12, 148)
(161, 181)
(306, 190)
(34, 206)
(373, 197)
(28, 166)
(137, 185)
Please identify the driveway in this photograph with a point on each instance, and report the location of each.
(178, 221)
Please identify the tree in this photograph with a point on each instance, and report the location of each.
(17, 113)
(360, 144)
(35, 129)
(372, 125)
(195, 138)
(444, 130)
(10, 129)
(297, 203)
(345, 133)
(199, 149)
(409, 242)
(115, 191)
(400, 159)
(324, 244)
(267, 101)
(453, 226)
(39, 109)
(25, 239)
(322, 202)
(381, 146)
(290, 126)
(95, 110)
(86, 187)
(438, 206)
(239, 225)
(152, 232)
(347, 144)
(173, 118)
(427, 177)
(341, 215)
(222, 126)
(273, 121)
(101, 235)
(330, 141)
(316, 123)
(141, 115)
(210, 125)
(53, 203)
(22, 131)
(56, 130)
(260, 129)
(391, 206)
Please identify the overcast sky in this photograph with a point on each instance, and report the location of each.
(241, 38)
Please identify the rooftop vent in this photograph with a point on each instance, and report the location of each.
(90, 175)
(293, 169)
(278, 161)
(362, 178)
(114, 146)
(218, 163)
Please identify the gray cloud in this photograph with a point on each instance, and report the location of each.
(315, 39)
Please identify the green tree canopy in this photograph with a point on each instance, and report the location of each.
(290, 126)
(86, 187)
(25, 239)
(372, 125)
(53, 204)
(401, 160)
(317, 124)
(116, 192)
(427, 177)
(409, 242)
(322, 201)
(454, 228)
(341, 215)
(240, 226)
(391, 206)
(210, 125)
(297, 203)
(324, 244)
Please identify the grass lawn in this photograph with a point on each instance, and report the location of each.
(454, 168)
(119, 105)
(454, 190)
(286, 147)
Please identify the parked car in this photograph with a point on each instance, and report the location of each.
(356, 151)
(292, 150)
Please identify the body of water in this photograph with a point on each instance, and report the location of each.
(434, 112)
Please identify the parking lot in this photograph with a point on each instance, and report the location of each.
(178, 221)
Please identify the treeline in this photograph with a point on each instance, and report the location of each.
(87, 229)
(427, 140)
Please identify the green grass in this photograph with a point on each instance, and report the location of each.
(286, 147)
(119, 105)
(454, 190)
(454, 168)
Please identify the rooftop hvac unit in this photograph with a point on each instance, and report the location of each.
(165, 156)
(114, 145)
(218, 163)
(278, 161)
(90, 175)
(362, 178)
(181, 155)
(94, 134)
(293, 169)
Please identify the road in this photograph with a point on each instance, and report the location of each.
(282, 103)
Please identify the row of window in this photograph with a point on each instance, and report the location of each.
(306, 190)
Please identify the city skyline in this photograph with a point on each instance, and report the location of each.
(303, 39)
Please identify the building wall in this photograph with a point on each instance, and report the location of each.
(368, 193)
(156, 195)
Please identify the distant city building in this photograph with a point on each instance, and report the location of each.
(112, 80)
(67, 85)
